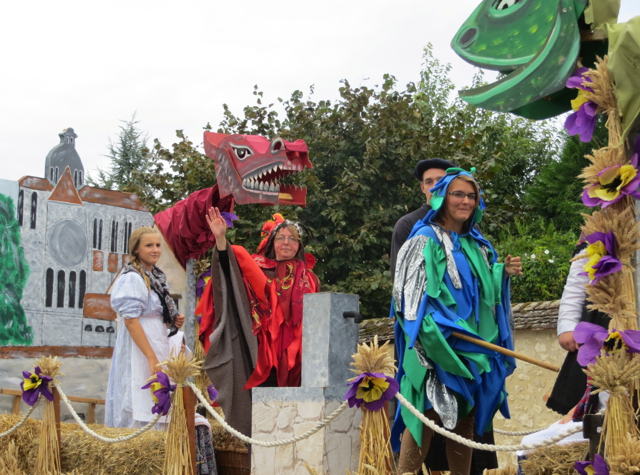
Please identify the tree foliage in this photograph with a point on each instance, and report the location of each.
(129, 158)
(556, 193)
(364, 147)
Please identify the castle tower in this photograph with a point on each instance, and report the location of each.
(62, 156)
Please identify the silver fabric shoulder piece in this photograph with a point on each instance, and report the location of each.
(447, 247)
(410, 281)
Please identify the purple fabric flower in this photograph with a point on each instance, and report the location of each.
(35, 384)
(372, 390)
(229, 218)
(602, 256)
(202, 283)
(213, 393)
(161, 389)
(599, 466)
(575, 81)
(583, 120)
(592, 338)
(614, 183)
(631, 338)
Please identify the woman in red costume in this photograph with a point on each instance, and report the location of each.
(257, 334)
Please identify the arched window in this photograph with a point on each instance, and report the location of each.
(95, 233)
(75, 178)
(79, 179)
(72, 289)
(34, 209)
(51, 173)
(49, 288)
(127, 235)
(100, 236)
(60, 300)
(20, 207)
(114, 236)
(56, 181)
(82, 288)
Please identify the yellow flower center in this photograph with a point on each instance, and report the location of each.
(579, 100)
(612, 181)
(595, 252)
(371, 389)
(154, 388)
(33, 382)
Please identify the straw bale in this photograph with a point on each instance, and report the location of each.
(86, 455)
(555, 459)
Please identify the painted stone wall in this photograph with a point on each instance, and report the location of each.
(527, 387)
(282, 420)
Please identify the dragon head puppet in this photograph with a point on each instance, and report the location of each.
(250, 168)
(536, 44)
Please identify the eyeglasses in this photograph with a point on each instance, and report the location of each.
(286, 238)
(460, 195)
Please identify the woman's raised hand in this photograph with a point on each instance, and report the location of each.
(512, 265)
(218, 227)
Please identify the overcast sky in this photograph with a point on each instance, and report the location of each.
(88, 65)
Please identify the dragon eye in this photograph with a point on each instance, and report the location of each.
(241, 151)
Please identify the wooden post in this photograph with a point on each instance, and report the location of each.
(91, 414)
(56, 409)
(16, 405)
(190, 413)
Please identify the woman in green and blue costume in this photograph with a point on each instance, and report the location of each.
(448, 280)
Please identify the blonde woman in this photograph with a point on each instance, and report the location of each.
(141, 299)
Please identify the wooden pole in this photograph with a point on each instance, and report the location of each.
(504, 351)
(189, 399)
(56, 410)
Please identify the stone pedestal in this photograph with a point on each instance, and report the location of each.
(328, 342)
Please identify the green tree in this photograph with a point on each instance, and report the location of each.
(364, 147)
(129, 157)
(556, 192)
(14, 272)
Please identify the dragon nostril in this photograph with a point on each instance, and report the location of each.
(468, 37)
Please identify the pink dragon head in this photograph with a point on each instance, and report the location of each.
(250, 167)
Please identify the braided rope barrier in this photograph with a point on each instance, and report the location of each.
(475, 445)
(262, 443)
(522, 432)
(22, 421)
(108, 440)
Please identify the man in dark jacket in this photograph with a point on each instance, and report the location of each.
(428, 172)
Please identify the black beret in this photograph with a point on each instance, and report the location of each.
(424, 165)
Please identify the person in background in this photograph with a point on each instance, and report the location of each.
(428, 172)
(571, 382)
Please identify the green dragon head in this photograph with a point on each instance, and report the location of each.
(535, 43)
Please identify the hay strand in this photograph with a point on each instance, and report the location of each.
(616, 372)
(554, 459)
(375, 447)
(177, 459)
(626, 461)
(48, 459)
